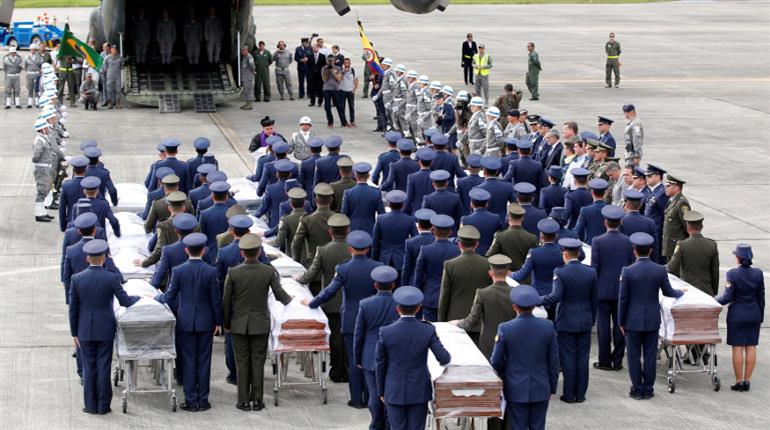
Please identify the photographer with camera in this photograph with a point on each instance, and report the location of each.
(332, 78)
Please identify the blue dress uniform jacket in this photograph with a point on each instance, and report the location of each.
(464, 186)
(326, 169)
(638, 308)
(418, 185)
(90, 309)
(574, 200)
(610, 253)
(745, 294)
(505, 162)
(542, 261)
(106, 187)
(198, 194)
(261, 161)
(209, 202)
(486, 223)
(150, 178)
(635, 222)
(447, 117)
(574, 289)
(532, 216)
(447, 161)
(192, 168)
(75, 262)
(200, 305)
(72, 236)
(429, 270)
(382, 169)
(609, 140)
(103, 213)
(655, 208)
(269, 176)
(180, 169)
(551, 197)
(502, 193)
(521, 345)
(590, 221)
(398, 172)
(373, 312)
(271, 203)
(68, 198)
(213, 221)
(444, 202)
(361, 204)
(412, 249)
(172, 255)
(391, 231)
(525, 169)
(307, 173)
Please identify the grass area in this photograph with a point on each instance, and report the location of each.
(85, 3)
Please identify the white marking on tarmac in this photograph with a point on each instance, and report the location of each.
(29, 270)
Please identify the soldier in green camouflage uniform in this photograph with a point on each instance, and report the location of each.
(612, 49)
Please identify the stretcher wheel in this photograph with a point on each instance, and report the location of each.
(124, 404)
(325, 394)
(716, 383)
(174, 403)
(671, 385)
(275, 396)
(115, 377)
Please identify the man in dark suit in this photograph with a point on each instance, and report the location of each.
(551, 152)
(401, 357)
(92, 324)
(469, 49)
(375, 312)
(315, 64)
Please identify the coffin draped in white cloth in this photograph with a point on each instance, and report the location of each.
(690, 319)
(146, 329)
(131, 245)
(132, 197)
(296, 327)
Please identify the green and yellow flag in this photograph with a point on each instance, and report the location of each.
(71, 46)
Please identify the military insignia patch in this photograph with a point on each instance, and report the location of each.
(685, 209)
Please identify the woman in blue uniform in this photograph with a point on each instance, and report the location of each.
(745, 292)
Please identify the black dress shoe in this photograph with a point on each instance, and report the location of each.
(617, 367)
(602, 367)
(204, 407)
(258, 406)
(51, 217)
(105, 412)
(746, 385)
(566, 400)
(42, 219)
(188, 407)
(737, 387)
(636, 396)
(243, 406)
(53, 206)
(580, 400)
(88, 411)
(352, 405)
(232, 381)
(649, 396)
(311, 104)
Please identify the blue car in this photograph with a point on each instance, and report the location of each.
(25, 33)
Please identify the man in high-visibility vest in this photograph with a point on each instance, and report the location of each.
(612, 48)
(482, 62)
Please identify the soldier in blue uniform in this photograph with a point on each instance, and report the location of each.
(541, 262)
(95, 168)
(307, 166)
(392, 230)
(179, 167)
(574, 290)
(399, 170)
(173, 254)
(634, 221)
(150, 177)
(559, 215)
(501, 191)
(218, 176)
(655, 206)
(466, 184)
(354, 278)
(326, 169)
(276, 193)
(526, 169)
(443, 201)
(605, 136)
(384, 160)
(201, 191)
(590, 221)
(639, 314)
(214, 219)
(72, 234)
(374, 312)
(541, 146)
(526, 358)
(401, 357)
(266, 158)
(362, 202)
(199, 318)
(575, 199)
(525, 194)
(512, 154)
(99, 206)
(418, 184)
(92, 324)
(430, 264)
(201, 145)
(553, 195)
(485, 222)
(413, 245)
(610, 253)
(71, 191)
(445, 160)
(269, 171)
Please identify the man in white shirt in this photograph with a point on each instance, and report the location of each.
(580, 160)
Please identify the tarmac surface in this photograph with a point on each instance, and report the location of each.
(698, 73)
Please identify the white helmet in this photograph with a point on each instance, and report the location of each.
(478, 101)
(435, 85)
(493, 112)
(12, 49)
(411, 74)
(446, 89)
(305, 120)
(32, 46)
(41, 124)
(423, 79)
(387, 61)
(463, 95)
(43, 101)
(401, 68)
(47, 114)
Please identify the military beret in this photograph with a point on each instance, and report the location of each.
(362, 167)
(205, 169)
(491, 163)
(219, 187)
(266, 121)
(405, 145)
(170, 179)
(548, 226)
(95, 247)
(315, 142)
(408, 296)
(468, 232)
(345, 162)
(87, 144)
(654, 170)
(545, 122)
(323, 189)
(671, 179)
(555, 172)
(281, 147)
(176, 197)
(524, 188)
(86, 220)
(501, 260)
(633, 194)
(235, 210)
(743, 250)
(439, 175)
(201, 143)
(598, 184)
(642, 239)
(473, 160)
(516, 209)
(426, 154)
(439, 139)
(384, 274)
(559, 213)
(171, 143)
(333, 142)
(297, 193)
(580, 172)
(442, 221)
(194, 239)
(524, 144)
(424, 214)
(613, 212)
(272, 140)
(79, 162)
(92, 152)
(393, 136)
(359, 239)
(396, 196)
(628, 108)
(249, 241)
(184, 221)
(90, 182)
(216, 176)
(338, 220)
(693, 216)
(479, 194)
(524, 296)
(570, 243)
(283, 166)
